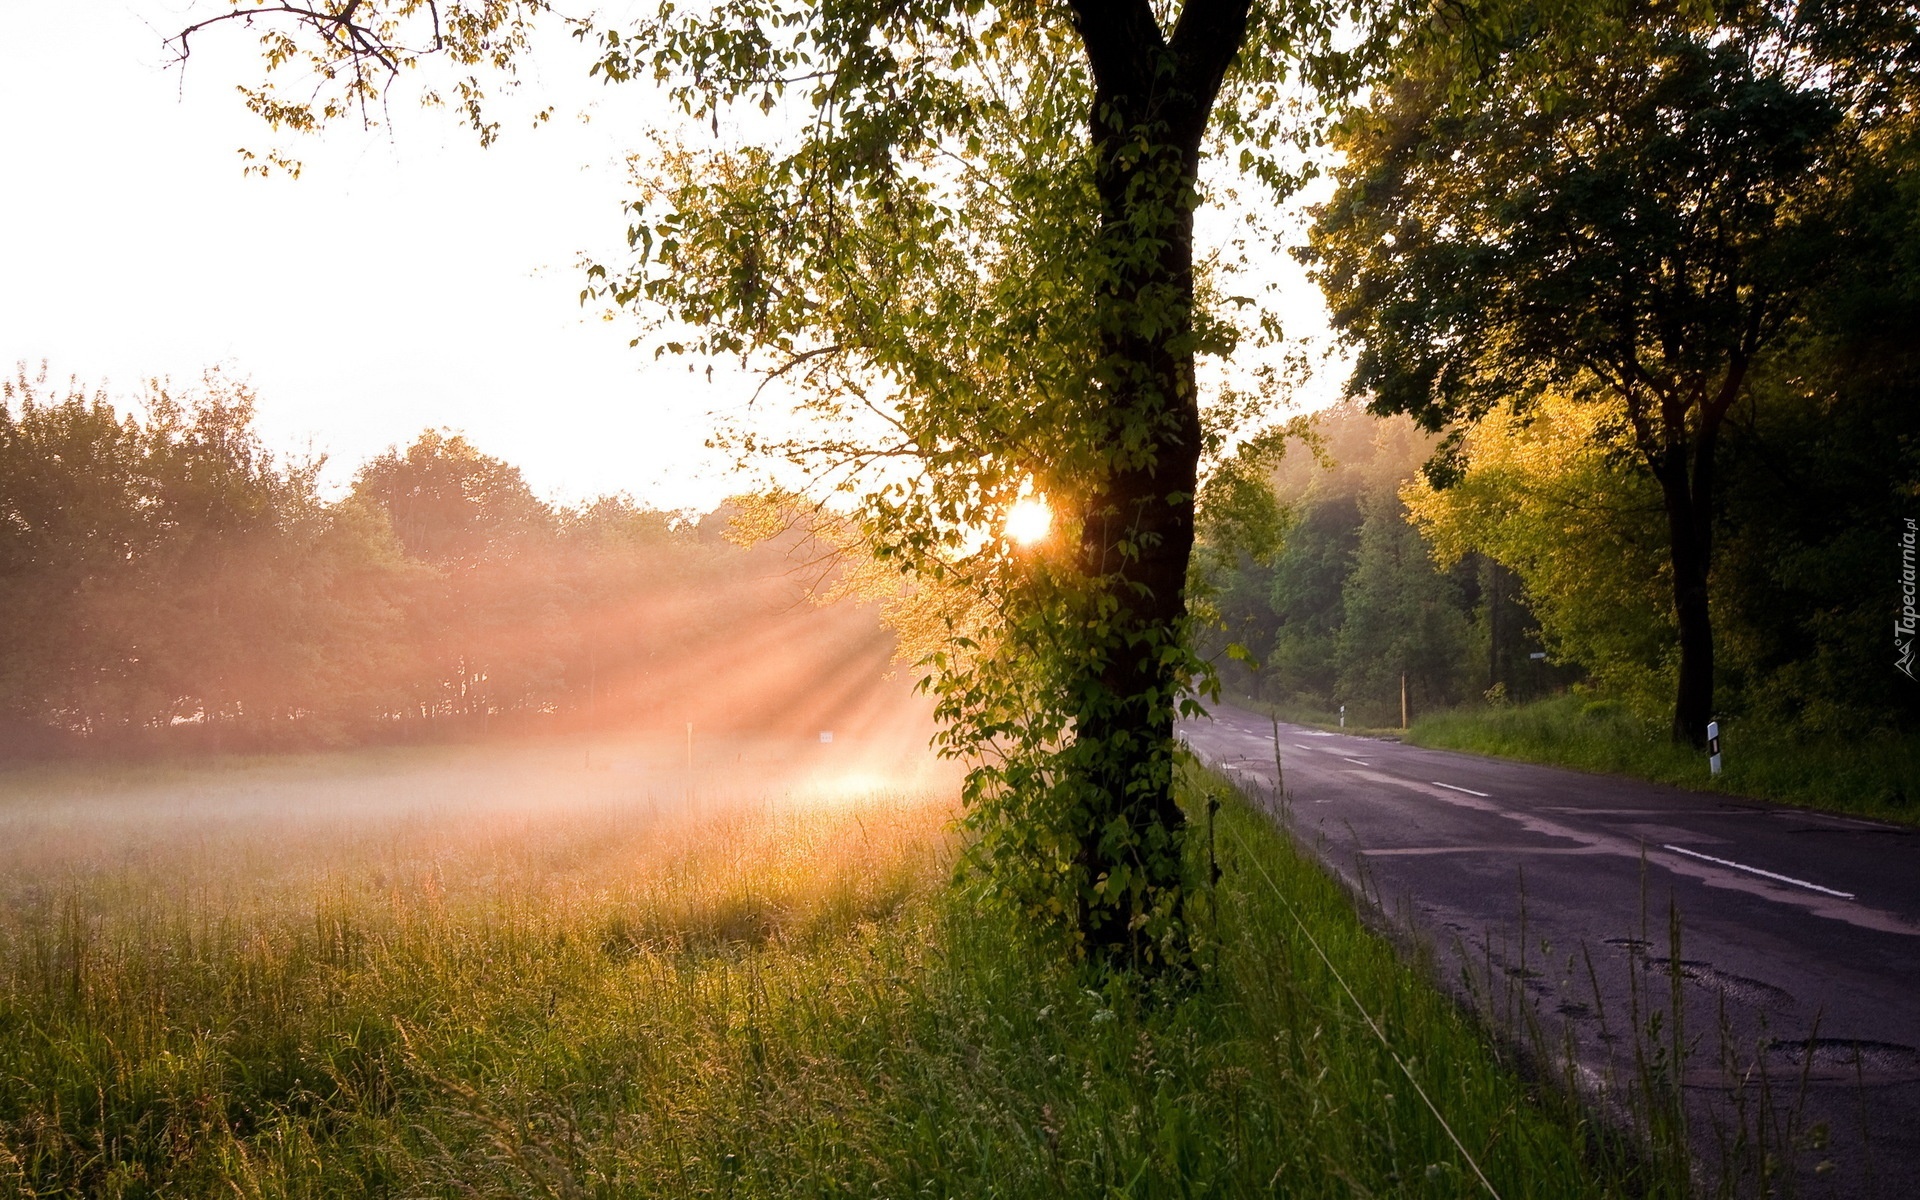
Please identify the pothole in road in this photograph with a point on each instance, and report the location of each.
(1756, 992)
(1844, 1060)
(1735, 987)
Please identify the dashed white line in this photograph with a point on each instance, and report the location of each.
(1469, 791)
(1356, 761)
(1726, 862)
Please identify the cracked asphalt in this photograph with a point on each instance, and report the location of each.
(1548, 899)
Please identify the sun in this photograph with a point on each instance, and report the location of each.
(1029, 520)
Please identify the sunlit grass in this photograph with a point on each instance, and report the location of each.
(1874, 774)
(629, 988)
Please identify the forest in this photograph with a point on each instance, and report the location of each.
(170, 583)
(1541, 570)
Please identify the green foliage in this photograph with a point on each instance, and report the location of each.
(1551, 497)
(1354, 598)
(1612, 202)
(1820, 463)
(157, 570)
(1402, 619)
(1821, 473)
(597, 998)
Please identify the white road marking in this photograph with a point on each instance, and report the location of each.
(1837, 906)
(1405, 851)
(1468, 791)
(1649, 812)
(1812, 887)
(1356, 761)
(1304, 746)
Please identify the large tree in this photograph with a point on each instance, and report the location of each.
(1612, 200)
(963, 238)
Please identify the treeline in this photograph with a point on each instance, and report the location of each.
(1665, 326)
(1551, 543)
(166, 581)
(1354, 602)
(1665, 319)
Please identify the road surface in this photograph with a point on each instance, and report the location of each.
(1546, 895)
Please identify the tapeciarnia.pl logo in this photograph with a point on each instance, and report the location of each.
(1903, 624)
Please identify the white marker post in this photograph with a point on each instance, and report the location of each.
(1713, 747)
(1343, 716)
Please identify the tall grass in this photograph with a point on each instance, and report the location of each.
(1875, 775)
(734, 996)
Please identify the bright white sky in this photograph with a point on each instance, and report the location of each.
(408, 279)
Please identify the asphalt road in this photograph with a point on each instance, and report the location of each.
(1548, 898)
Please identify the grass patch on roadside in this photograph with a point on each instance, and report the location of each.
(601, 996)
(1876, 775)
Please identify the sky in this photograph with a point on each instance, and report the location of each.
(409, 279)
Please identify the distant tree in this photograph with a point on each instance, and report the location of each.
(646, 590)
(1553, 496)
(71, 521)
(1307, 598)
(1401, 620)
(488, 618)
(357, 662)
(450, 504)
(164, 569)
(1615, 201)
(218, 607)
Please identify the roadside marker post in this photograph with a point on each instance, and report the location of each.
(1343, 716)
(1713, 747)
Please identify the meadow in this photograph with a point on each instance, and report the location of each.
(571, 971)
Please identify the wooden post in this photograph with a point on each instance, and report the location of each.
(1403, 699)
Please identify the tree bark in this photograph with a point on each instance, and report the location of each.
(1686, 491)
(1693, 698)
(1152, 99)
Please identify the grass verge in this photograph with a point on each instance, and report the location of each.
(740, 998)
(1873, 776)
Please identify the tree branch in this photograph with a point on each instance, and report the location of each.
(360, 41)
(1123, 43)
(1206, 37)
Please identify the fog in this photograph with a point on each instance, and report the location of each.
(251, 835)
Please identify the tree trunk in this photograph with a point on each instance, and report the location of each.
(1151, 103)
(1688, 502)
